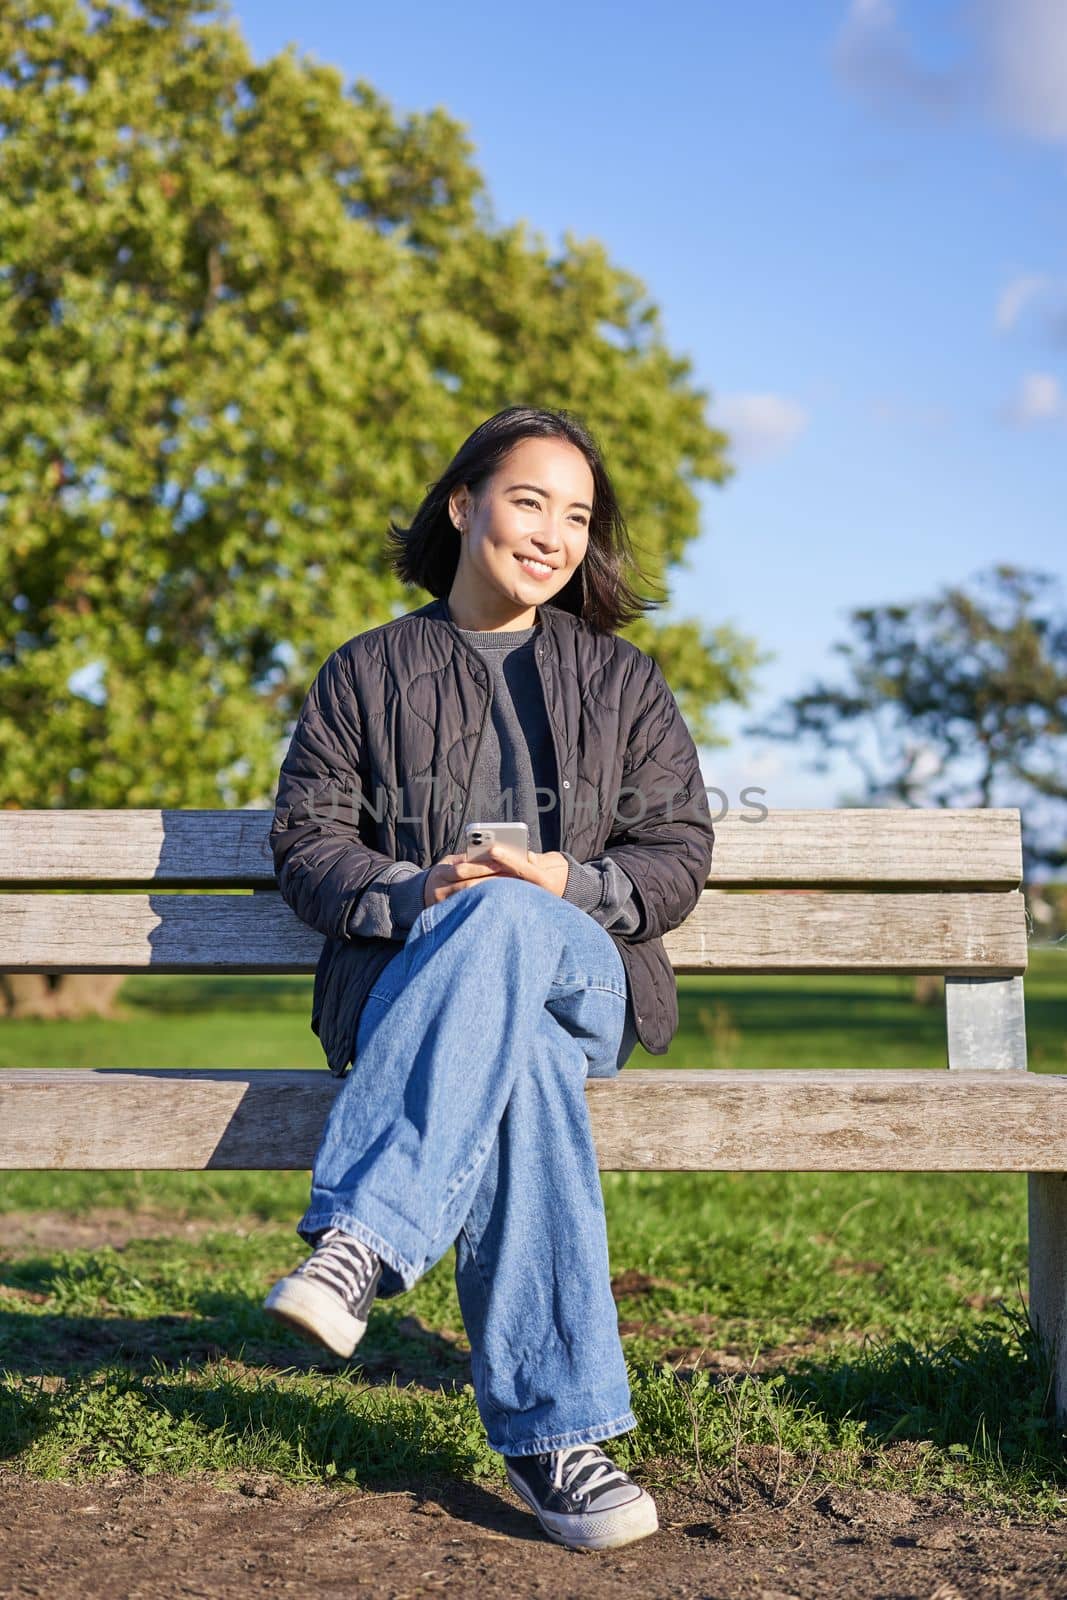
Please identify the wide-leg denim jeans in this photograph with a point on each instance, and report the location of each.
(464, 1120)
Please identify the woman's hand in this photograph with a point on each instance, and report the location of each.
(451, 874)
(549, 868)
(454, 872)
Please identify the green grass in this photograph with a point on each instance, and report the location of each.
(862, 1326)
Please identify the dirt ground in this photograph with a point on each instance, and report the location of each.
(131, 1538)
(100, 1226)
(150, 1539)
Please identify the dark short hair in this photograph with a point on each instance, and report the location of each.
(427, 552)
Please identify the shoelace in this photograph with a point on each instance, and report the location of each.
(570, 1465)
(344, 1264)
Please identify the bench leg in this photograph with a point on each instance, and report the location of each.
(1048, 1275)
(987, 1033)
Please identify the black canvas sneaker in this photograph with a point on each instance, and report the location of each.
(329, 1296)
(582, 1499)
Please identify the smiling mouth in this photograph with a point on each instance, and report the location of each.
(543, 566)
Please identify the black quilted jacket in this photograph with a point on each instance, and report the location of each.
(379, 767)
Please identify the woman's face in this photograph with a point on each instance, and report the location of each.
(537, 504)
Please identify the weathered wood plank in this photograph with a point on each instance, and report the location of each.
(851, 848)
(803, 932)
(974, 848)
(129, 848)
(853, 1121)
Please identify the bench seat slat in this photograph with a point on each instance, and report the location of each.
(954, 847)
(838, 1120)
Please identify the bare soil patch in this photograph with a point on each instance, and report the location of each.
(153, 1538)
(102, 1225)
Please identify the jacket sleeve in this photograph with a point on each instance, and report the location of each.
(321, 862)
(390, 903)
(601, 888)
(663, 834)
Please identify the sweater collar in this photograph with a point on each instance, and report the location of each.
(550, 618)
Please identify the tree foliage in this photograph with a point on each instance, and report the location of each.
(246, 316)
(957, 700)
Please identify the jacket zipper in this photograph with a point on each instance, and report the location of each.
(555, 744)
(474, 767)
(481, 734)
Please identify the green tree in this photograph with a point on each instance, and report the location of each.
(246, 316)
(957, 700)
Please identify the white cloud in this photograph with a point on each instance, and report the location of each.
(874, 57)
(752, 774)
(1039, 398)
(749, 775)
(1014, 71)
(1048, 296)
(759, 425)
(1015, 295)
(1024, 49)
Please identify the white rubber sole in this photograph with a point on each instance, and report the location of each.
(601, 1530)
(313, 1311)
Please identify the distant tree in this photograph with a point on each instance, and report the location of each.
(957, 700)
(246, 315)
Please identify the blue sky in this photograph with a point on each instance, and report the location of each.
(853, 216)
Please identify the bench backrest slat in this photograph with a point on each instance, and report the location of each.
(890, 848)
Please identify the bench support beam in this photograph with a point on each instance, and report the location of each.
(986, 1024)
(987, 1032)
(1048, 1276)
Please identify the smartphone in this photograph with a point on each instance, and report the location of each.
(480, 835)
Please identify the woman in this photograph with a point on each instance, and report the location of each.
(473, 999)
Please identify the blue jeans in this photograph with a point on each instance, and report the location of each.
(464, 1120)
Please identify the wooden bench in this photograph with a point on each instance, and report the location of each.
(890, 891)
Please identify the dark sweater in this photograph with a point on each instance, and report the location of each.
(514, 774)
